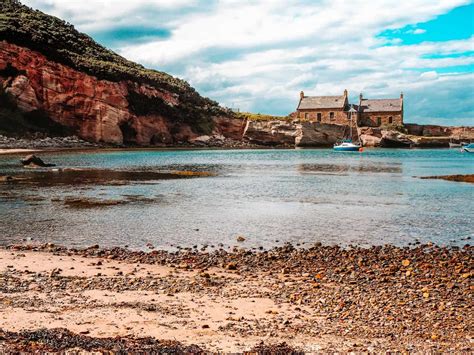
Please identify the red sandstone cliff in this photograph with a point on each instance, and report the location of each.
(96, 110)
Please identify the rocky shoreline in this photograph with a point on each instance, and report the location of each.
(318, 299)
(45, 143)
(74, 142)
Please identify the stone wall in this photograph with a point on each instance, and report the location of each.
(371, 119)
(340, 116)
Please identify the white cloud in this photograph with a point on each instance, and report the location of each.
(260, 54)
(419, 31)
(429, 75)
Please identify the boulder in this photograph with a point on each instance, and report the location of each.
(34, 161)
(271, 133)
(395, 139)
(370, 136)
(314, 134)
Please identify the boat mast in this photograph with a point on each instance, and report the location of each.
(351, 111)
(350, 115)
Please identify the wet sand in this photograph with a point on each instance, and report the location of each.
(318, 299)
(17, 151)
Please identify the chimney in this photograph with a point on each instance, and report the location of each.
(361, 97)
(401, 95)
(345, 92)
(301, 95)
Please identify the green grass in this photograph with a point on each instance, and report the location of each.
(262, 117)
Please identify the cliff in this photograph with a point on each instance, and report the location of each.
(56, 80)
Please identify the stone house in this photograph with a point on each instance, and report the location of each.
(380, 112)
(324, 109)
(334, 110)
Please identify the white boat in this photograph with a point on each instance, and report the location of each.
(346, 145)
(455, 145)
(468, 148)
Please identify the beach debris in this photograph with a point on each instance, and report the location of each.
(241, 238)
(60, 340)
(34, 161)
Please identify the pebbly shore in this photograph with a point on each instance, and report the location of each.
(318, 299)
(41, 142)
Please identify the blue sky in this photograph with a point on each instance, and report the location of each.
(258, 55)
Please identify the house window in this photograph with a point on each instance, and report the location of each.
(319, 116)
(379, 121)
(331, 116)
(390, 120)
(306, 115)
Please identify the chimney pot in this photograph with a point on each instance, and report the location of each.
(401, 95)
(345, 92)
(301, 94)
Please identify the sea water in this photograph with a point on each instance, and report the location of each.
(267, 196)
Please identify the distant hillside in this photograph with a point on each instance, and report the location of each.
(61, 43)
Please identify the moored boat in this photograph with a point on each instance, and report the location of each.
(468, 148)
(346, 145)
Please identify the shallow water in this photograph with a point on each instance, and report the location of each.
(299, 196)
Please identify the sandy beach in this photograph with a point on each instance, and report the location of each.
(315, 300)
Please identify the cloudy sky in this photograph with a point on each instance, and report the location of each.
(258, 55)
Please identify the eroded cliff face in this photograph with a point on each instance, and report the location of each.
(96, 110)
(293, 133)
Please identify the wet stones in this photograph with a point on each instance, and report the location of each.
(34, 161)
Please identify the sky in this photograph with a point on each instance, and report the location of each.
(258, 55)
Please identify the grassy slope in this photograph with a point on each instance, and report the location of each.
(61, 42)
(262, 117)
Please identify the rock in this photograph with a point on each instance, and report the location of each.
(313, 134)
(33, 160)
(200, 140)
(394, 139)
(240, 238)
(231, 266)
(271, 133)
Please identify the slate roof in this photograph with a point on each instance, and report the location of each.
(321, 102)
(381, 105)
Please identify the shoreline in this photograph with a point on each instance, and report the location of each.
(322, 298)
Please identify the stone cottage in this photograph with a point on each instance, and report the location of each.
(324, 109)
(380, 112)
(334, 110)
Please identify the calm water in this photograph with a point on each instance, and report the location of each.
(300, 196)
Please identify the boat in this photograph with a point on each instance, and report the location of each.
(346, 145)
(455, 145)
(468, 148)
